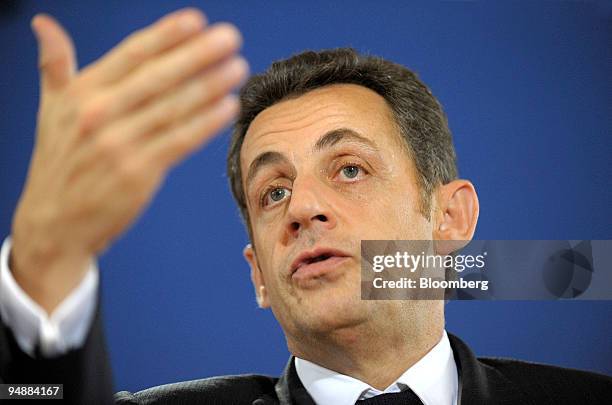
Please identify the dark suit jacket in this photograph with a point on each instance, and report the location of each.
(86, 376)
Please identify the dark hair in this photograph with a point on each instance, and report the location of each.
(418, 114)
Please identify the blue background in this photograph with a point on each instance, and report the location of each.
(527, 89)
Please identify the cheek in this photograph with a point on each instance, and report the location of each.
(269, 257)
(395, 214)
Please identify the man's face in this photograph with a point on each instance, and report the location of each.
(322, 172)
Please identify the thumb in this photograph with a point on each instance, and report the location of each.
(56, 58)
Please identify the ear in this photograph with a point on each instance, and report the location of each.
(256, 277)
(456, 213)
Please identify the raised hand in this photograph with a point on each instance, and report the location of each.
(107, 136)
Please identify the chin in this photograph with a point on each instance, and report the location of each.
(332, 312)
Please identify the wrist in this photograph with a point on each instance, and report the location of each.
(45, 270)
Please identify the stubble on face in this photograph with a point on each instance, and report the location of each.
(384, 204)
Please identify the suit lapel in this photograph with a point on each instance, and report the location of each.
(289, 389)
(480, 383)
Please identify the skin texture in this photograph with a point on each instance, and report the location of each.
(107, 136)
(324, 319)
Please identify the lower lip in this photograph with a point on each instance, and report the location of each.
(319, 269)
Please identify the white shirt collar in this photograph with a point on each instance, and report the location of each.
(433, 378)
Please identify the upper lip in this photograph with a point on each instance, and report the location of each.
(308, 256)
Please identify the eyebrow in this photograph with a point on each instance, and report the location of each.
(326, 141)
(335, 136)
(263, 160)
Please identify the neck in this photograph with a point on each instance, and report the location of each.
(373, 355)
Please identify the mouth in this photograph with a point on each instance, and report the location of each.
(317, 262)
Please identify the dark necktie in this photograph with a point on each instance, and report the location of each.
(406, 397)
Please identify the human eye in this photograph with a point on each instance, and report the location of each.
(352, 171)
(273, 195)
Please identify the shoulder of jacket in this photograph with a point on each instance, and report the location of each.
(548, 379)
(223, 389)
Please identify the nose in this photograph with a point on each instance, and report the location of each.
(309, 208)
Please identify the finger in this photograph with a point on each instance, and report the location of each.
(144, 44)
(195, 93)
(163, 73)
(57, 61)
(173, 145)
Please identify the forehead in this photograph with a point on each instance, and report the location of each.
(294, 125)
